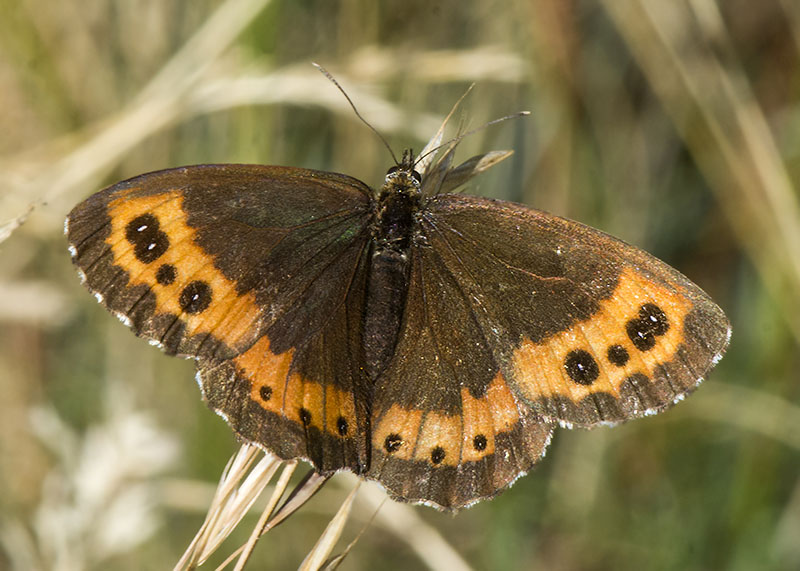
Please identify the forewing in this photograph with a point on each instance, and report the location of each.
(585, 328)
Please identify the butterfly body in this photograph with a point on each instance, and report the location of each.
(392, 233)
(430, 342)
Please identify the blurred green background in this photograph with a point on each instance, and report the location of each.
(673, 125)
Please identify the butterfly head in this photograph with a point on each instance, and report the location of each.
(403, 177)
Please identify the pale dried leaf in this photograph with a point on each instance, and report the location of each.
(470, 168)
(303, 492)
(238, 489)
(426, 156)
(327, 541)
(261, 527)
(9, 226)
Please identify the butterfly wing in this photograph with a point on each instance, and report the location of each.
(591, 330)
(251, 270)
(522, 319)
(466, 436)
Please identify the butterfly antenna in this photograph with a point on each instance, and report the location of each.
(332, 79)
(472, 132)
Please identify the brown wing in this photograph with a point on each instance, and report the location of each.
(515, 320)
(255, 271)
(586, 328)
(446, 428)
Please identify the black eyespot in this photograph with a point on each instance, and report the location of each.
(195, 297)
(166, 274)
(144, 223)
(618, 355)
(651, 322)
(148, 241)
(393, 442)
(581, 367)
(341, 426)
(437, 455)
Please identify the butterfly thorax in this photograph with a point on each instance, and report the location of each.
(387, 283)
(398, 202)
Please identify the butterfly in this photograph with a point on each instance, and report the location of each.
(424, 339)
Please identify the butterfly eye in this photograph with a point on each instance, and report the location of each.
(392, 170)
(417, 176)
